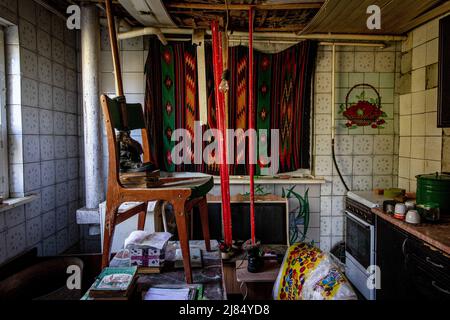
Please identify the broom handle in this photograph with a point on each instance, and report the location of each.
(116, 62)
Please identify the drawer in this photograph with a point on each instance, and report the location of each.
(424, 283)
(431, 257)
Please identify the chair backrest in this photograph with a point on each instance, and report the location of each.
(113, 121)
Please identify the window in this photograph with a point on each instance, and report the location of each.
(3, 137)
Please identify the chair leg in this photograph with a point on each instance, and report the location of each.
(108, 234)
(182, 222)
(141, 219)
(203, 208)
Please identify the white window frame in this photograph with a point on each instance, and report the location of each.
(4, 182)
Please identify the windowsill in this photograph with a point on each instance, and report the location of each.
(12, 203)
(273, 180)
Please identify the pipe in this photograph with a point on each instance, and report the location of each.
(353, 44)
(90, 34)
(143, 32)
(333, 121)
(333, 91)
(375, 45)
(293, 36)
(286, 35)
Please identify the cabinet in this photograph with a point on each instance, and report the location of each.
(410, 269)
(444, 73)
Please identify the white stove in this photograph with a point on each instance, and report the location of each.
(367, 198)
(360, 242)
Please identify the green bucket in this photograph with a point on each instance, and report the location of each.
(434, 188)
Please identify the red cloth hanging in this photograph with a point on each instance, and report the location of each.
(251, 125)
(220, 112)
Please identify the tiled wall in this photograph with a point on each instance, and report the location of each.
(368, 158)
(133, 56)
(446, 151)
(43, 128)
(313, 232)
(420, 139)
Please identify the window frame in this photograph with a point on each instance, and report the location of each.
(4, 172)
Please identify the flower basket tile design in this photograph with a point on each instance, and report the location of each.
(364, 112)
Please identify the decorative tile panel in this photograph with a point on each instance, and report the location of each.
(48, 177)
(27, 34)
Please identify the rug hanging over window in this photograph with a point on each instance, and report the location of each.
(283, 90)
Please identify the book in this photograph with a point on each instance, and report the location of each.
(174, 292)
(114, 283)
(147, 249)
(149, 270)
(196, 258)
(168, 294)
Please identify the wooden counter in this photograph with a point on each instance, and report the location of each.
(434, 234)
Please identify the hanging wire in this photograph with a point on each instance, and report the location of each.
(227, 20)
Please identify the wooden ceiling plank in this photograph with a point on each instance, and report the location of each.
(263, 18)
(435, 13)
(244, 7)
(349, 16)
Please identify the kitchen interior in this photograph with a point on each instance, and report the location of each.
(364, 191)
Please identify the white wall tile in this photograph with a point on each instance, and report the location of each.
(15, 240)
(364, 62)
(27, 34)
(34, 231)
(32, 176)
(44, 43)
(133, 61)
(31, 149)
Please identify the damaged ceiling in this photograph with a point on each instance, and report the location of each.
(278, 16)
(302, 17)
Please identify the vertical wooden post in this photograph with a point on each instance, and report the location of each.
(116, 61)
(199, 36)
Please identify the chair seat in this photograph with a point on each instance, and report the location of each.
(199, 185)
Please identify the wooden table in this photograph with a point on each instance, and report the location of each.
(210, 275)
(229, 267)
(259, 285)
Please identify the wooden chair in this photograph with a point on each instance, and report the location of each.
(184, 193)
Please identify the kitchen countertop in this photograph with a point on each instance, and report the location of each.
(436, 234)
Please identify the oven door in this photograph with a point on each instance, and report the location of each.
(359, 241)
(359, 253)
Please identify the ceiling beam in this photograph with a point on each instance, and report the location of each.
(244, 7)
(430, 15)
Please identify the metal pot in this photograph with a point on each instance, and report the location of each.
(434, 188)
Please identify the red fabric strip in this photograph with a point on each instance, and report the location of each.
(220, 113)
(251, 125)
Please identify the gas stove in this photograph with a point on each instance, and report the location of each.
(361, 203)
(360, 242)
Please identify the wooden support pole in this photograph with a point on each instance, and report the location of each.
(198, 38)
(116, 61)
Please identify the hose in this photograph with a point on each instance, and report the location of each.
(333, 152)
